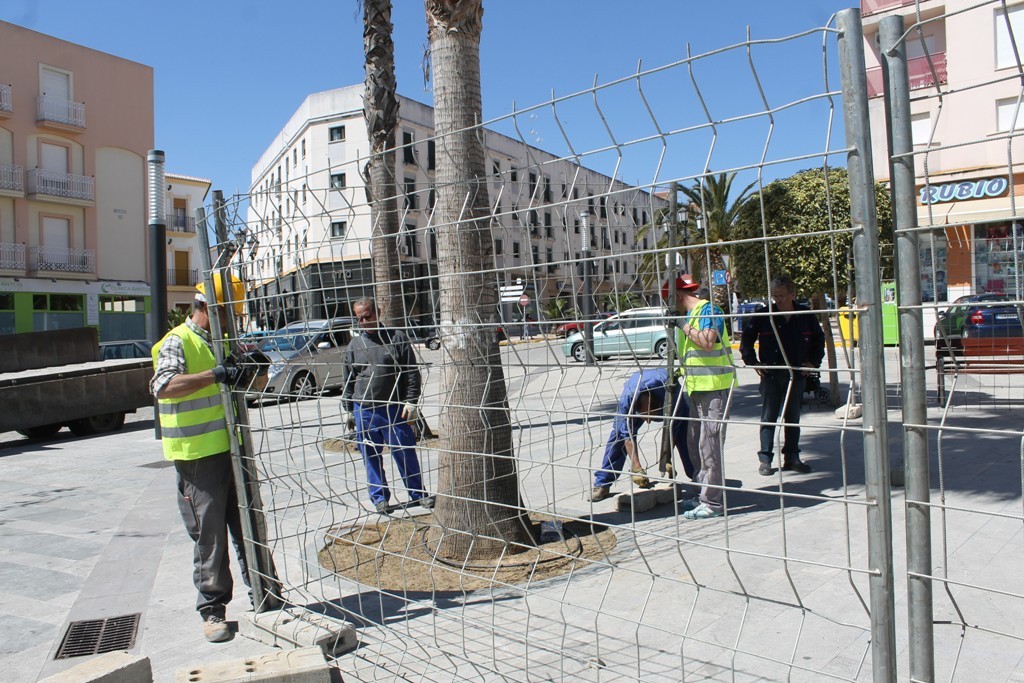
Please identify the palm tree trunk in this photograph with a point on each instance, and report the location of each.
(380, 109)
(479, 506)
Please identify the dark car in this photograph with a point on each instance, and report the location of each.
(976, 315)
(131, 348)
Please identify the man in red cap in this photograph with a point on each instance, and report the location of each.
(708, 376)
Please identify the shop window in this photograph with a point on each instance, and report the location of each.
(57, 311)
(6, 313)
(998, 258)
(934, 270)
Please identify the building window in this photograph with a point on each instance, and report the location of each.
(515, 249)
(408, 155)
(547, 189)
(1011, 19)
(432, 198)
(496, 168)
(338, 229)
(920, 128)
(576, 225)
(304, 194)
(535, 253)
(337, 134)
(513, 176)
(1008, 117)
(533, 183)
(604, 207)
(431, 155)
(411, 248)
(337, 181)
(303, 148)
(498, 249)
(590, 203)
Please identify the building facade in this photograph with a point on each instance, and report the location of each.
(75, 126)
(969, 178)
(184, 195)
(309, 216)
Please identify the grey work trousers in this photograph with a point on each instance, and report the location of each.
(704, 439)
(209, 507)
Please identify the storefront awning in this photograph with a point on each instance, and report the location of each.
(970, 212)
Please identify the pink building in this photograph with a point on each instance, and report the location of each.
(973, 200)
(75, 127)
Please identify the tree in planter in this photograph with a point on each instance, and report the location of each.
(479, 507)
(380, 109)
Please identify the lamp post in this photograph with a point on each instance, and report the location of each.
(588, 297)
(157, 245)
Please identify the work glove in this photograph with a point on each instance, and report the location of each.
(669, 471)
(640, 479)
(348, 419)
(228, 372)
(410, 412)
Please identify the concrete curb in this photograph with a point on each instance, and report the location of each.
(305, 665)
(112, 667)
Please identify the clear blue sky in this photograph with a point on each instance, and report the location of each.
(229, 73)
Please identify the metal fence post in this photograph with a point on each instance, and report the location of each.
(866, 256)
(917, 479)
(266, 590)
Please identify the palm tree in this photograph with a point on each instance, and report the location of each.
(380, 109)
(709, 198)
(478, 507)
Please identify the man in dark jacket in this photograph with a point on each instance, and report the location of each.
(380, 390)
(789, 339)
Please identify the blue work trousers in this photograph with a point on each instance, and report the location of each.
(381, 426)
(615, 449)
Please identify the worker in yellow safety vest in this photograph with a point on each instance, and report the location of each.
(708, 376)
(196, 439)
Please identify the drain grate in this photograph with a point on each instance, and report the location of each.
(96, 636)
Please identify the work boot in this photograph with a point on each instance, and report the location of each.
(381, 506)
(426, 502)
(216, 629)
(796, 466)
(599, 493)
(765, 469)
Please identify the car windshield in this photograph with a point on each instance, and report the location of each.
(285, 342)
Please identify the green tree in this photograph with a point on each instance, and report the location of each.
(812, 208)
(557, 309)
(479, 506)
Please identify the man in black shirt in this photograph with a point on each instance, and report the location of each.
(380, 390)
(781, 368)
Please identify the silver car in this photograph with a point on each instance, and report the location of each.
(305, 358)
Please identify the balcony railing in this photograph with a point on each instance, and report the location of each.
(57, 110)
(6, 106)
(919, 71)
(12, 256)
(57, 184)
(178, 277)
(12, 177)
(874, 6)
(61, 260)
(180, 223)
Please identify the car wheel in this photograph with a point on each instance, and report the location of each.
(661, 348)
(97, 424)
(41, 432)
(823, 395)
(434, 344)
(579, 352)
(303, 386)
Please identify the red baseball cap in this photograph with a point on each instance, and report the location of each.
(683, 282)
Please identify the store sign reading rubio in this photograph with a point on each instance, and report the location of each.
(967, 189)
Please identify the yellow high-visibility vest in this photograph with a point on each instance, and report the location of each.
(705, 370)
(192, 426)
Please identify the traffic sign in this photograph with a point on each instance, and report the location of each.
(524, 300)
(720, 278)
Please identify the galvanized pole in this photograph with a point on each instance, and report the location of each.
(588, 295)
(666, 461)
(916, 475)
(865, 248)
(266, 589)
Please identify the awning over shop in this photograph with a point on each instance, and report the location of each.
(970, 212)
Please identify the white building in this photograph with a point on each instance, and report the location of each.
(311, 222)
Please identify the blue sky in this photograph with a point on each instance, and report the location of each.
(229, 73)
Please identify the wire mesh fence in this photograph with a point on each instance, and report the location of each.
(795, 579)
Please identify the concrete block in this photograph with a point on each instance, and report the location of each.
(111, 667)
(293, 627)
(665, 493)
(306, 665)
(855, 411)
(638, 501)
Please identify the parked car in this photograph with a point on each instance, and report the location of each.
(425, 335)
(976, 315)
(250, 341)
(305, 358)
(565, 329)
(636, 332)
(130, 348)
